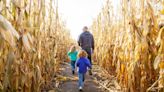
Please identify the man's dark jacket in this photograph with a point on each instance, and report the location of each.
(86, 41)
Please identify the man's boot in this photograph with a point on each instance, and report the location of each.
(90, 72)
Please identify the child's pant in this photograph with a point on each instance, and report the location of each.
(73, 65)
(81, 79)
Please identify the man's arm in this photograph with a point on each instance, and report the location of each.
(80, 40)
(93, 46)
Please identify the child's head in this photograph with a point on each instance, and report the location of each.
(82, 53)
(73, 48)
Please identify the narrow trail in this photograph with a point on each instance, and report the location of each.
(95, 83)
(71, 85)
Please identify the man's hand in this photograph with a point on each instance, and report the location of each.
(92, 51)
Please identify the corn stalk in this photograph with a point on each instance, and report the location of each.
(32, 44)
(132, 45)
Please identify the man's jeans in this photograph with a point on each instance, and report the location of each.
(89, 52)
(81, 79)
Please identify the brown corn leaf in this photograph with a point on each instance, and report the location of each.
(26, 42)
(6, 25)
(157, 61)
(1, 86)
(7, 36)
(7, 32)
(38, 74)
(159, 38)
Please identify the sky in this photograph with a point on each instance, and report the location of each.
(79, 13)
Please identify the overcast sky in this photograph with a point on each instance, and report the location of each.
(79, 13)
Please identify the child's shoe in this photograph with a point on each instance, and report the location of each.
(80, 89)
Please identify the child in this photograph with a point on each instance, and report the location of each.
(73, 56)
(82, 63)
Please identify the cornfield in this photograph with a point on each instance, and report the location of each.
(132, 44)
(33, 42)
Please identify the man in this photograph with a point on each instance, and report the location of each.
(86, 42)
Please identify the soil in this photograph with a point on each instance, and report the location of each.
(72, 85)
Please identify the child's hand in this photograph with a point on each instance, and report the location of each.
(77, 69)
(89, 68)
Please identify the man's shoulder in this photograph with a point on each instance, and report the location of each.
(81, 34)
(84, 35)
(87, 33)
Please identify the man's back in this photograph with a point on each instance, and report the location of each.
(86, 40)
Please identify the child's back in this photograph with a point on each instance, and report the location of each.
(82, 64)
(72, 54)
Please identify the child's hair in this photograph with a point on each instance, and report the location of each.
(73, 48)
(82, 53)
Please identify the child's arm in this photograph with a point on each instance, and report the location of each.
(88, 63)
(68, 53)
(77, 63)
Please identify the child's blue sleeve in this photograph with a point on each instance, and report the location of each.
(88, 63)
(77, 63)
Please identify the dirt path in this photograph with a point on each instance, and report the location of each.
(71, 82)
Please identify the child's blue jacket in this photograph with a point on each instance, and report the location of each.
(82, 64)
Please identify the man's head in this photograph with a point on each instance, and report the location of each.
(85, 28)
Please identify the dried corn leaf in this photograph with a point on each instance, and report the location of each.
(6, 25)
(159, 38)
(7, 36)
(7, 32)
(162, 11)
(157, 62)
(38, 74)
(1, 86)
(30, 38)
(26, 42)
